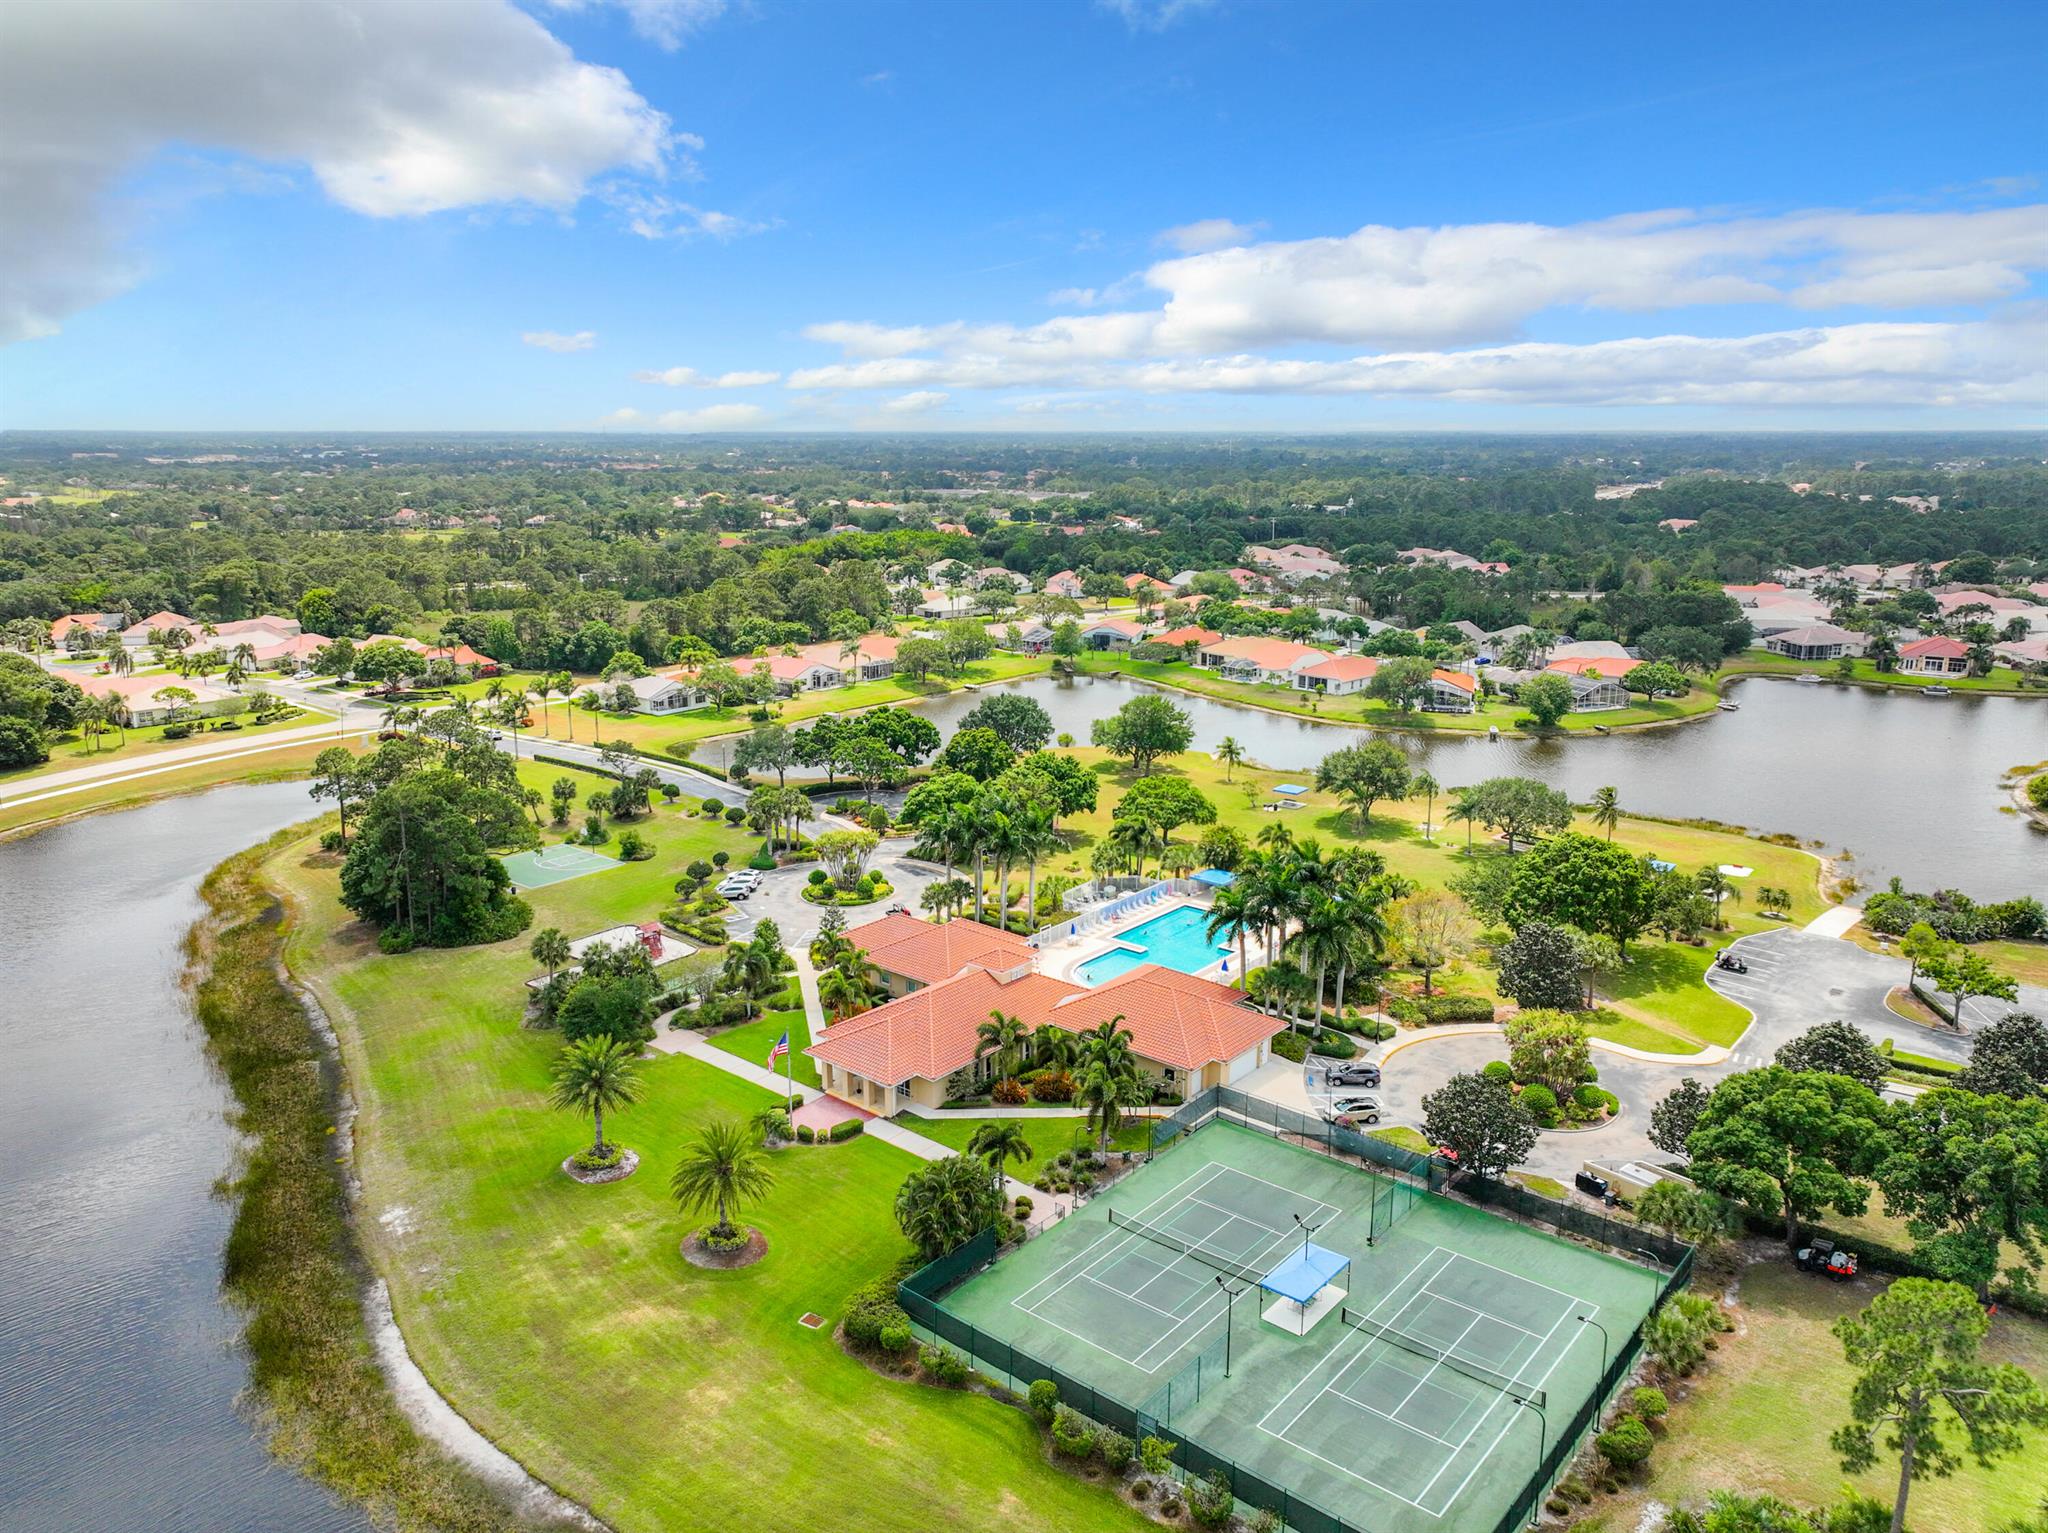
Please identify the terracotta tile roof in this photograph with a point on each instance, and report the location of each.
(1175, 1018)
(796, 667)
(927, 953)
(1458, 679)
(931, 1032)
(1592, 665)
(1192, 634)
(159, 622)
(1268, 654)
(1344, 668)
(1122, 625)
(143, 689)
(1944, 649)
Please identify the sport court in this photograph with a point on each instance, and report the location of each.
(1410, 1402)
(553, 865)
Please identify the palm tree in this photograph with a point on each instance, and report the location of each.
(1366, 933)
(1005, 1037)
(845, 989)
(1110, 1078)
(722, 1168)
(1322, 940)
(1464, 807)
(597, 1073)
(1230, 914)
(1426, 787)
(1230, 753)
(120, 659)
(1713, 883)
(1004, 842)
(1134, 839)
(1000, 1141)
(92, 716)
(511, 712)
(1054, 1048)
(550, 950)
(400, 716)
(1036, 836)
(1605, 809)
(1275, 838)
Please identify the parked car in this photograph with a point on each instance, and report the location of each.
(1360, 1074)
(1595, 1187)
(1349, 1110)
(738, 888)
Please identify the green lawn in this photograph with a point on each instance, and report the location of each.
(1865, 673)
(562, 1321)
(69, 751)
(751, 1041)
(1048, 1136)
(292, 759)
(1356, 708)
(1758, 1418)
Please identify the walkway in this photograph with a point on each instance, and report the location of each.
(1836, 921)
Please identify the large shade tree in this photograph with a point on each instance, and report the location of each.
(1790, 1142)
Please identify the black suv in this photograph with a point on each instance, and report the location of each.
(1360, 1074)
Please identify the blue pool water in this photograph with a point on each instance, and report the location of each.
(1175, 940)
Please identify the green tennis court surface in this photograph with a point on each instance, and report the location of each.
(1413, 1407)
(552, 864)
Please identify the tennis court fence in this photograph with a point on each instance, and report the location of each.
(921, 1293)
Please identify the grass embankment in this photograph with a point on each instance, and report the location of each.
(272, 765)
(71, 751)
(1357, 708)
(291, 1261)
(563, 1321)
(2002, 681)
(1660, 1000)
(2026, 962)
(1758, 1419)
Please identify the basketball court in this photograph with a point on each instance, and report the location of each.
(553, 865)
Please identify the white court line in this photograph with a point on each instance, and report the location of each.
(1110, 1232)
(1133, 1298)
(1431, 1373)
(1375, 1410)
(1457, 1303)
(1505, 1399)
(1363, 1479)
(1348, 1334)
(1569, 1298)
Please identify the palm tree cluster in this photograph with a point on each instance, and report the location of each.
(994, 833)
(1317, 917)
(847, 982)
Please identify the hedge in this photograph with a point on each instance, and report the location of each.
(1290, 1046)
(845, 1130)
(1335, 1046)
(1435, 1010)
(1880, 1257)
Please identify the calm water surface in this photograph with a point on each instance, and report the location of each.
(118, 1370)
(1909, 784)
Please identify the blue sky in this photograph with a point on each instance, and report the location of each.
(1062, 215)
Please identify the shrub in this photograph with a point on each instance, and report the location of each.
(583, 1160)
(846, 1130)
(735, 815)
(1335, 1046)
(944, 1368)
(633, 847)
(333, 841)
(805, 1134)
(1053, 1088)
(1044, 1399)
(713, 1241)
(1498, 1070)
(761, 861)
(895, 1338)
(1625, 1444)
(1590, 1097)
(1010, 1092)
(871, 1310)
(1155, 1455)
(1023, 1205)
(1435, 1010)
(1210, 1501)
(698, 870)
(817, 878)
(1650, 1404)
(1542, 1104)
(1290, 1046)
(712, 806)
(1072, 1434)
(1266, 1520)
(720, 859)
(1114, 1449)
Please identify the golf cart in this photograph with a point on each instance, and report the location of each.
(1731, 963)
(1826, 1256)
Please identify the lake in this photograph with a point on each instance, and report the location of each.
(1907, 783)
(118, 1369)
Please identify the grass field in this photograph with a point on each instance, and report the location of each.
(1356, 708)
(2001, 679)
(1047, 1136)
(70, 751)
(290, 760)
(562, 1321)
(1759, 1418)
(751, 1041)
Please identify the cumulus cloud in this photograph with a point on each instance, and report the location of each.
(665, 23)
(710, 418)
(553, 340)
(916, 403)
(655, 215)
(690, 378)
(1207, 234)
(397, 109)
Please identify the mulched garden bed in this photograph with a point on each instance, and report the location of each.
(618, 1173)
(697, 1254)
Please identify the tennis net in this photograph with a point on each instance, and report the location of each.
(1492, 1378)
(1224, 1264)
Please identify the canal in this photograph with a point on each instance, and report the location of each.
(118, 1393)
(1907, 783)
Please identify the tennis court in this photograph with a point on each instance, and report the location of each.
(553, 865)
(1413, 1401)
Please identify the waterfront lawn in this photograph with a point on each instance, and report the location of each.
(2026, 962)
(562, 1319)
(1757, 1418)
(291, 759)
(751, 1041)
(1356, 708)
(72, 750)
(1756, 662)
(1047, 1136)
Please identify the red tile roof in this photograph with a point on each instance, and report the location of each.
(1192, 634)
(1344, 668)
(926, 953)
(1267, 654)
(931, 1032)
(1175, 1018)
(1937, 647)
(1458, 679)
(1594, 665)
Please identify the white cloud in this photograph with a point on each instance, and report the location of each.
(916, 403)
(1207, 234)
(710, 418)
(664, 23)
(552, 340)
(878, 78)
(1154, 15)
(1120, 291)
(398, 109)
(657, 216)
(690, 378)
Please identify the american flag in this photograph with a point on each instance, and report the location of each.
(781, 1048)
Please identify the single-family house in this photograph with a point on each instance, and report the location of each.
(289, 654)
(1678, 523)
(1614, 667)
(1452, 692)
(1188, 636)
(944, 604)
(1111, 633)
(996, 575)
(873, 660)
(1819, 641)
(2026, 654)
(85, 630)
(1296, 562)
(801, 672)
(136, 635)
(1150, 584)
(1027, 636)
(1338, 675)
(1593, 693)
(1186, 1033)
(1251, 659)
(1066, 583)
(466, 661)
(138, 696)
(1935, 657)
(665, 693)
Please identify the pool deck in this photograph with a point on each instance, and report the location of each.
(1063, 957)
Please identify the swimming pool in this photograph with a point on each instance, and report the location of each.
(1176, 940)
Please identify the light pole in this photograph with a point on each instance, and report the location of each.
(1229, 1310)
(1605, 1343)
(1542, 1448)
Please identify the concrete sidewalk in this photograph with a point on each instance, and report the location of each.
(1836, 921)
